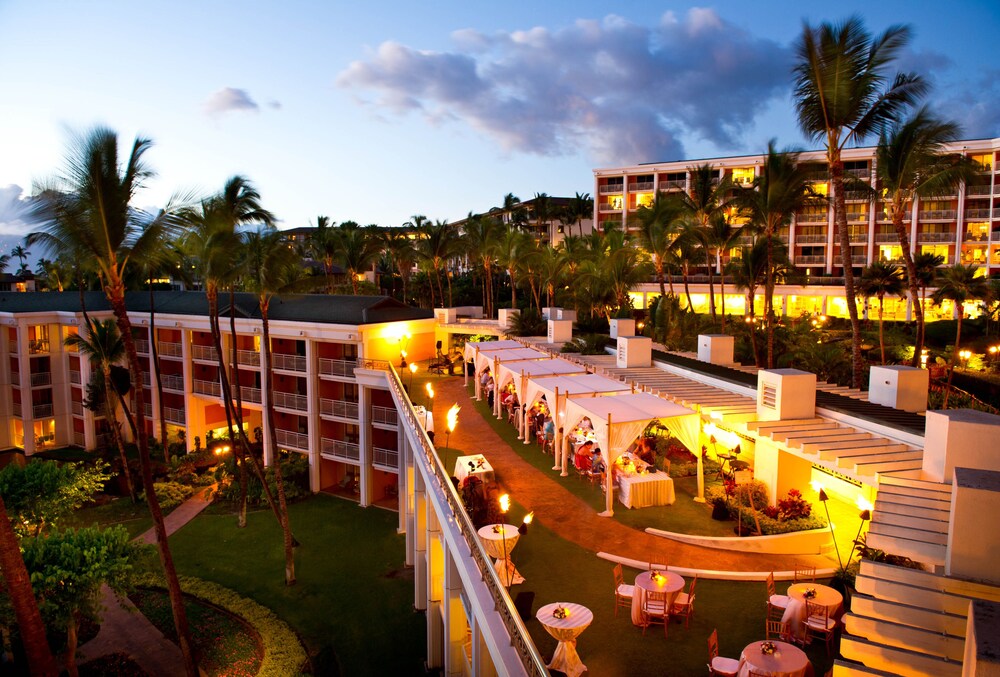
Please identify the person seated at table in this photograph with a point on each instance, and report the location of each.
(644, 450)
(597, 462)
(583, 456)
(549, 429)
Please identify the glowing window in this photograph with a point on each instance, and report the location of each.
(743, 175)
(985, 161)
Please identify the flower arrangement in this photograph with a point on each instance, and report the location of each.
(768, 648)
(497, 528)
(560, 612)
(657, 577)
(809, 593)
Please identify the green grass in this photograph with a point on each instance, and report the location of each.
(353, 603)
(119, 511)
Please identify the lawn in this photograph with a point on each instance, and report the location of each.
(353, 604)
(118, 511)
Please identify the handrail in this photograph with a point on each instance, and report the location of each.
(532, 660)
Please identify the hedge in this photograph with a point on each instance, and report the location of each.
(283, 652)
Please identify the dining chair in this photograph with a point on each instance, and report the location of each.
(623, 591)
(654, 565)
(776, 604)
(683, 605)
(805, 575)
(753, 673)
(776, 630)
(655, 610)
(819, 624)
(720, 666)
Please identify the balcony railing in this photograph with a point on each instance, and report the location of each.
(36, 346)
(249, 358)
(977, 214)
(76, 408)
(859, 259)
(673, 184)
(853, 235)
(142, 346)
(291, 401)
(386, 458)
(968, 236)
(148, 408)
(938, 214)
(79, 438)
(291, 440)
(248, 394)
(608, 207)
(857, 216)
(168, 349)
(288, 362)
(884, 238)
(384, 415)
(856, 195)
(173, 415)
(346, 451)
(811, 239)
(173, 382)
(611, 189)
(640, 186)
(857, 173)
(204, 353)
(211, 388)
(935, 237)
(15, 378)
(41, 379)
(12, 347)
(41, 410)
(328, 367)
(75, 376)
(104, 440)
(979, 189)
(339, 409)
(16, 408)
(811, 218)
(147, 379)
(810, 259)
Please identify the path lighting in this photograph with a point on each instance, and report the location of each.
(504, 507)
(823, 499)
(523, 529)
(430, 395)
(865, 515)
(452, 419)
(964, 355)
(923, 358)
(413, 370)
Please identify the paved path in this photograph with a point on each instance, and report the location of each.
(571, 518)
(125, 630)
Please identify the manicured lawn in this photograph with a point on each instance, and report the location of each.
(353, 603)
(118, 511)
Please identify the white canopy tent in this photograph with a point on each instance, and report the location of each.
(520, 372)
(618, 420)
(493, 358)
(556, 389)
(472, 348)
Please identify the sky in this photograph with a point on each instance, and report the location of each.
(376, 111)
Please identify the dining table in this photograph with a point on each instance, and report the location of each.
(641, 485)
(475, 465)
(795, 612)
(787, 660)
(499, 540)
(666, 581)
(565, 621)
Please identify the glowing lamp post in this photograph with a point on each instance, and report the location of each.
(452, 421)
(823, 499)
(504, 507)
(413, 370)
(430, 396)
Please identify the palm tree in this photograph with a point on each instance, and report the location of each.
(878, 279)
(685, 248)
(21, 254)
(958, 284)
(512, 246)
(756, 265)
(268, 263)
(356, 251)
(780, 189)
(843, 96)
(91, 212)
(721, 236)
(543, 211)
(399, 247)
(659, 228)
(482, 238)
(322, 246)
(911, 162)
(581, 207)
(709, 198)
(435, 248)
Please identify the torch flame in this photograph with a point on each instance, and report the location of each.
(505, 503)
(452, 417)
(527, 518)
(429, 388)
(864, 504)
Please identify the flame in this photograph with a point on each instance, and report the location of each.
(505, 503)
(413, 367)
(816, 486)
(864, 504)
(529, 517)
(429, 388)
(452, 417)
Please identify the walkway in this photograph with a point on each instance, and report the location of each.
(125, 630)
(571, 518)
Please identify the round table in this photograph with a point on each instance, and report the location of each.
(671, 584)
(499, 540)
(795, 612)
(566, 630)
(788, 660)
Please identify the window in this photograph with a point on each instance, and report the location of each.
(938, 249)
(743, 176)
(985, 161)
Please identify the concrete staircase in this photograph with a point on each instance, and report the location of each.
(911, 519)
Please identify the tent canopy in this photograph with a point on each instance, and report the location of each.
(485, 357)
(504, 344)
(571, 385)
(519, 372)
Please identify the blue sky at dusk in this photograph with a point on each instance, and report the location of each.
(377, 111)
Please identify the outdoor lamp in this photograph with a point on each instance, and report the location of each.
(523, 529)
(823, 497)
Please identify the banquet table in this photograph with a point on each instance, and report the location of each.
(672, 585)
(642, 490)
(566, 630)
(788, 660)
(795, 612)
(499, 540)
(480, 468)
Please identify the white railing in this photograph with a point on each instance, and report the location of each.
(288, 362)
(612, 189)
(142, 346)
(859, 259)
(811, 239)
(810, 259)
(38, 346)
(886, 237)
(75, 377)
(968, 236)
(291, 401)
(935, 237)
(168, 349)
(173, 415)
(856, 173)
(857, 216)
(931, 214)
(249, 358)
(608, 207)
(384, 415)
(339, 409)
(77, 408)
(386, 458)
(42, 379)
(977, 213)
(640, 186)
(249, 394)
(41, 410)
(148, 408)
(147, 380)
(172, 382)
(207, 388)
(15, 378)
(291, 440)
(346, 451)
(328, 367)
(204, 353)
(979, 189)
(79, 438)
(673, 184)
(17, 409)
(820, 217)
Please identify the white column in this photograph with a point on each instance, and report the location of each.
(312, 414)
(455, 623)
(435, 591)
(24, 370)
(419, 543)
(365, 443)
(264, 399)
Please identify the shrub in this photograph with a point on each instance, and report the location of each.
(171, 494)
(294, 472)
(793, 507)
(769, 516)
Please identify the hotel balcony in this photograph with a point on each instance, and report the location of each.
(174, 382)
(673, 185)
(16, 408)
(858, 173)
(285, 362)
(859, 259)
(340, 450)
(249, 395)
(291, 440)
(37, 346)
(977, 214)
(41, 410)
(79, 438)
(857, 196)
(605, 208)
(640, 187)
(811, 239)
(886, 238)
(982, 189)
(77, 408)
(204, 354)
(970, 236)
(147, 408)
(104, 439)
(810, 260)
(75, 376)
(339, 409)
(342, 368)
(387, 459)
(167, 349)
(938, 215)
(41, 379)
(142, 346)
(612, 189)
(857, 217)
(855, 235)
(248, 358)
(290, 401)
(210, 388)
(384, 416)
(173, 415)
(927, 238)
(811, 218)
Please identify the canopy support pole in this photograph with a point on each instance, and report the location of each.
(557, 449)
(609, 494)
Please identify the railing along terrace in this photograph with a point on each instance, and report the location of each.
(168, 349)
(330, 367)
(79, 438)
(935, 237)
(532, 661)
(287, 362)
(294, 440)
(290, 401)
(339, 408)
(350, 451)
(384, 415)
(387, 458)
(204, 353)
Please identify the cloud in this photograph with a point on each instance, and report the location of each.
(974, 105)
(13, 210)
(623, 92)
(229, 99)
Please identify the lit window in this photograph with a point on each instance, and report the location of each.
(743, 175)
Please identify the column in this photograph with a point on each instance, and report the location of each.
(401, 475)
(456, 627)
(435, 591)
(24, 365)
(419, 543)
(365, 443)
(264, 400)
(312, 414)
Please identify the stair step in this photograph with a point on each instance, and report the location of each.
(902, 593)
(783, 435)
(842, 668)
(876, 448)
(923, 579)
(919, 551)
(884, 508)
(911, 521)
(908, 484)
(841, 435)
(880, 461)
(907, 614)
(831, 449)
(906, 637)
(925, 535)
(895, 660)
(912, 501)
(764, 425)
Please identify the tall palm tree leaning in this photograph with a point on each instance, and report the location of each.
(911, 162)
(581, 207)
(843, 95)
(268, 263)
(878, 279)
(721, 235)
(958, 284)
(659, 227)
(91, 213)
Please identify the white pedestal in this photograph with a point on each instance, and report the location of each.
(622, 328)
(560, 331)
(634, 351)
(975, 495)
(446, 315)
(550, 313)
(506, 317)
(785, 394)
(716, 348)
(960, 438)
(566, 314)
(899, 387)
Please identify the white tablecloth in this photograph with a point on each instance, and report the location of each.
(639, 491)
(795, 612)
(499, 542)
(787, 661)
(672, 585)
(424, 417)
(480, 467)
(566, 630)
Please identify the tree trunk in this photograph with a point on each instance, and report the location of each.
(155, 356)
(722, 291)
(769, 297)
(286, 530)
(711, 285)
(238, 391)
(116, 296)
(112, 421)
(659, 277)
(911, 284)
(71, 641)
(687, 289)
(881, 334)
(840, 222)
(22, 598)
(954, 353)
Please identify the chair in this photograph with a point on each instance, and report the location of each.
(776, 604)
(753, 673)
(805, 575)
(623, 591)
(655, 610)
(653, 566)
(819, 623)
(719, 666)
(683, 605)
(776, 630)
